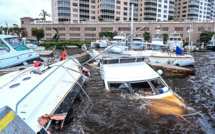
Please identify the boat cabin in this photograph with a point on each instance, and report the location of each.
(175, 37)
(131, 75)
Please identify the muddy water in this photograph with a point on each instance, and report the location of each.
(122, 113)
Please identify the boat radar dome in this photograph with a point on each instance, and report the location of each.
(160, 72)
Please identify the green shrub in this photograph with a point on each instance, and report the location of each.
(59, 45)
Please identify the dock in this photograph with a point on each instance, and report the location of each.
(171, 69)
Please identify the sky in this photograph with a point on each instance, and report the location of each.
(12, 10)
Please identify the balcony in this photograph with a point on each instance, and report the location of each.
(84, 13)
(153, 1)
(107, 2)
(193, 3)
(134, 1)
(62, 5)
(64, 17)
(86, 8)
(105, 13)
(64, 11)
(84, 2)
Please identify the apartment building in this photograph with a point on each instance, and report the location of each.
(75, 11)
(197, 10)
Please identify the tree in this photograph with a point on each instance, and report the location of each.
(19, 31)
(56, 36)
(5, 29)
(1, 29)
(38, 33)
(44, 14)
(170, 18)
(205, 36)
(108, 34)
(165, 38)
(100, 19)
(146, 36)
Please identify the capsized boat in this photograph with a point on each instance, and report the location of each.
(36, 91)
(103, 42)
(135, 76)
(13, 52)
(174, 41)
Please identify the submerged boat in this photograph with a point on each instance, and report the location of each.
(174, 41)
(135, 76)
(36, 91)
(211, 46)
(13, 52)
(103, 42)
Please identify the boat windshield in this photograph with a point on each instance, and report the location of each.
(116, 39)
(138, 40)
(157, 39)
(3, 46)
(146, 87)
(16, 43)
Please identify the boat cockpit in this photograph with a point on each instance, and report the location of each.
(147, 87)
(14, 42)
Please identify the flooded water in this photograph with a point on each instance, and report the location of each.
(126, 114)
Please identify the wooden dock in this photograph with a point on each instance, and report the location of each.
(171, 69)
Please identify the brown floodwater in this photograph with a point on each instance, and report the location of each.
(122, 113)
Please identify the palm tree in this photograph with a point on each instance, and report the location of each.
(44, 14)
(15, 25)
(56, 36)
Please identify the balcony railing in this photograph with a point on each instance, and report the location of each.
(62, 5)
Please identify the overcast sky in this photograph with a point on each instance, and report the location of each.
(12, 10)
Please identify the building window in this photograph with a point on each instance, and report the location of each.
(118, 2)
(93, 7)
(74, 28)
(165, 28)
(178, 28)
(125, 8)
(117, 7)
(125, 3)
(75, 4)
(75, 34)
(107, 29)
(90, 29)
(22, 22)
(209, 28)
(48, 28)
(118, 13)
(90, 35)
(125, 13)
(75, 10)
(48, 34)
(75, 39)
(75, 21)
(93, 12)
(62, 34)
(201, 28)
(145, 29)
(93, 17)
(124, 28)
(124, 18)
(75, 15)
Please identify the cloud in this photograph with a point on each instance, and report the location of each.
(12, 10)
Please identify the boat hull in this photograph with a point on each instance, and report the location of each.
(179, 61)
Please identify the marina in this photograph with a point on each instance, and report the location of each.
(92, 71)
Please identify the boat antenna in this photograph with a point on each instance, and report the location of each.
(116, 44)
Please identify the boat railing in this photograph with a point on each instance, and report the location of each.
(17, 104)
(122, 60)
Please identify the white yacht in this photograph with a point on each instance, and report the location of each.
(138, 43)
(102, 43)
(13, 52)
(121, 46)
(174, 41)
(37, 91)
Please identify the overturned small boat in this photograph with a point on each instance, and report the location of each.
(37, 91)
(135, 76)
(13, 52)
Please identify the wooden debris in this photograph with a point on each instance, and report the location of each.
(171, 69)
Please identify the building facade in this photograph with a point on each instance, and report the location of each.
(90, 31)
(75, 11)
(194, 10)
